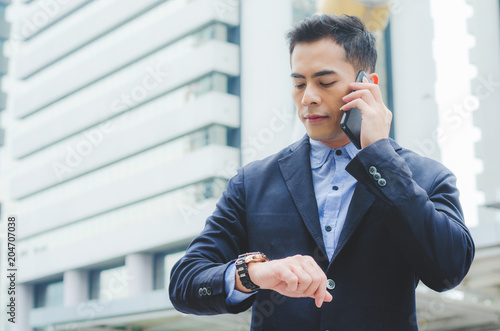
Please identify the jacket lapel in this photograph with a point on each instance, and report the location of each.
(360, 203)
(296, 171)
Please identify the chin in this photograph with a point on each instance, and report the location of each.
(326, 136)
(318, 137)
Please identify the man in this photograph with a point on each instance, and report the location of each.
(348, 233)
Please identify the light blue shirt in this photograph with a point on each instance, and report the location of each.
(333, 187)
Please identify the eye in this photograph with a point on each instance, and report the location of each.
(327, 84)
(300, 85)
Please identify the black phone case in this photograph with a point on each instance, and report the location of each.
(351, 120)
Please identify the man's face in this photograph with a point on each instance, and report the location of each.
(321, 77)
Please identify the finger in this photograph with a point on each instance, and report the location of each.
(373, 88)
(291, 280)
(317, 289)
(322, 296)
(304, 279)
(360, 94)
(282, 289)
(357, 103)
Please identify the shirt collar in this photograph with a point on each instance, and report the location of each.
(319, 152)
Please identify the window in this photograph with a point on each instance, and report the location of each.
(49, 294)
(163, 263)
(108, 284)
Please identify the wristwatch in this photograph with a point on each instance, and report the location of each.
(242, 269)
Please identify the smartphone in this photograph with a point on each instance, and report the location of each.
(351, 120)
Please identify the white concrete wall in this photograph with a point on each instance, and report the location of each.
(268, 114)
(484, 55)
(414, 77)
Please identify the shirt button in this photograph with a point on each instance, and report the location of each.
(335, 188)
(338, 152)
(328, 228)
(330, 284)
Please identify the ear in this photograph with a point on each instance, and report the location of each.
(374, 78)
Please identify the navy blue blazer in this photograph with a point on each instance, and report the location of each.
(396, 234)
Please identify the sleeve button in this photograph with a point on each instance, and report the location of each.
(372, 170)
(382, 182)
(376, 176)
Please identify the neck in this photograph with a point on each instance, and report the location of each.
(336, 143)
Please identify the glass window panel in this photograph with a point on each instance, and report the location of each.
(163, 266)
(217, 134)
(55, 294)
(105, 284)
(49, 294)
(159, 272)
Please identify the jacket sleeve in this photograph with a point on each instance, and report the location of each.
(197, 283)
(430, 229)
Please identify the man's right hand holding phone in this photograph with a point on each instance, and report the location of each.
(377, 118)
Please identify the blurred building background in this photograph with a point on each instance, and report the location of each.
(121, 122)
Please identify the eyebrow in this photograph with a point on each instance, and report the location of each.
(316, 74)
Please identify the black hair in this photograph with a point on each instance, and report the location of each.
(347, 31)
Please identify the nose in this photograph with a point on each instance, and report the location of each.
(310, 97)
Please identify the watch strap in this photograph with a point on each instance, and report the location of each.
(242, 268)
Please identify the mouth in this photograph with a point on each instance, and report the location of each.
(315, 118)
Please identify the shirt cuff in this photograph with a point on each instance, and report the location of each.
(234, 296)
